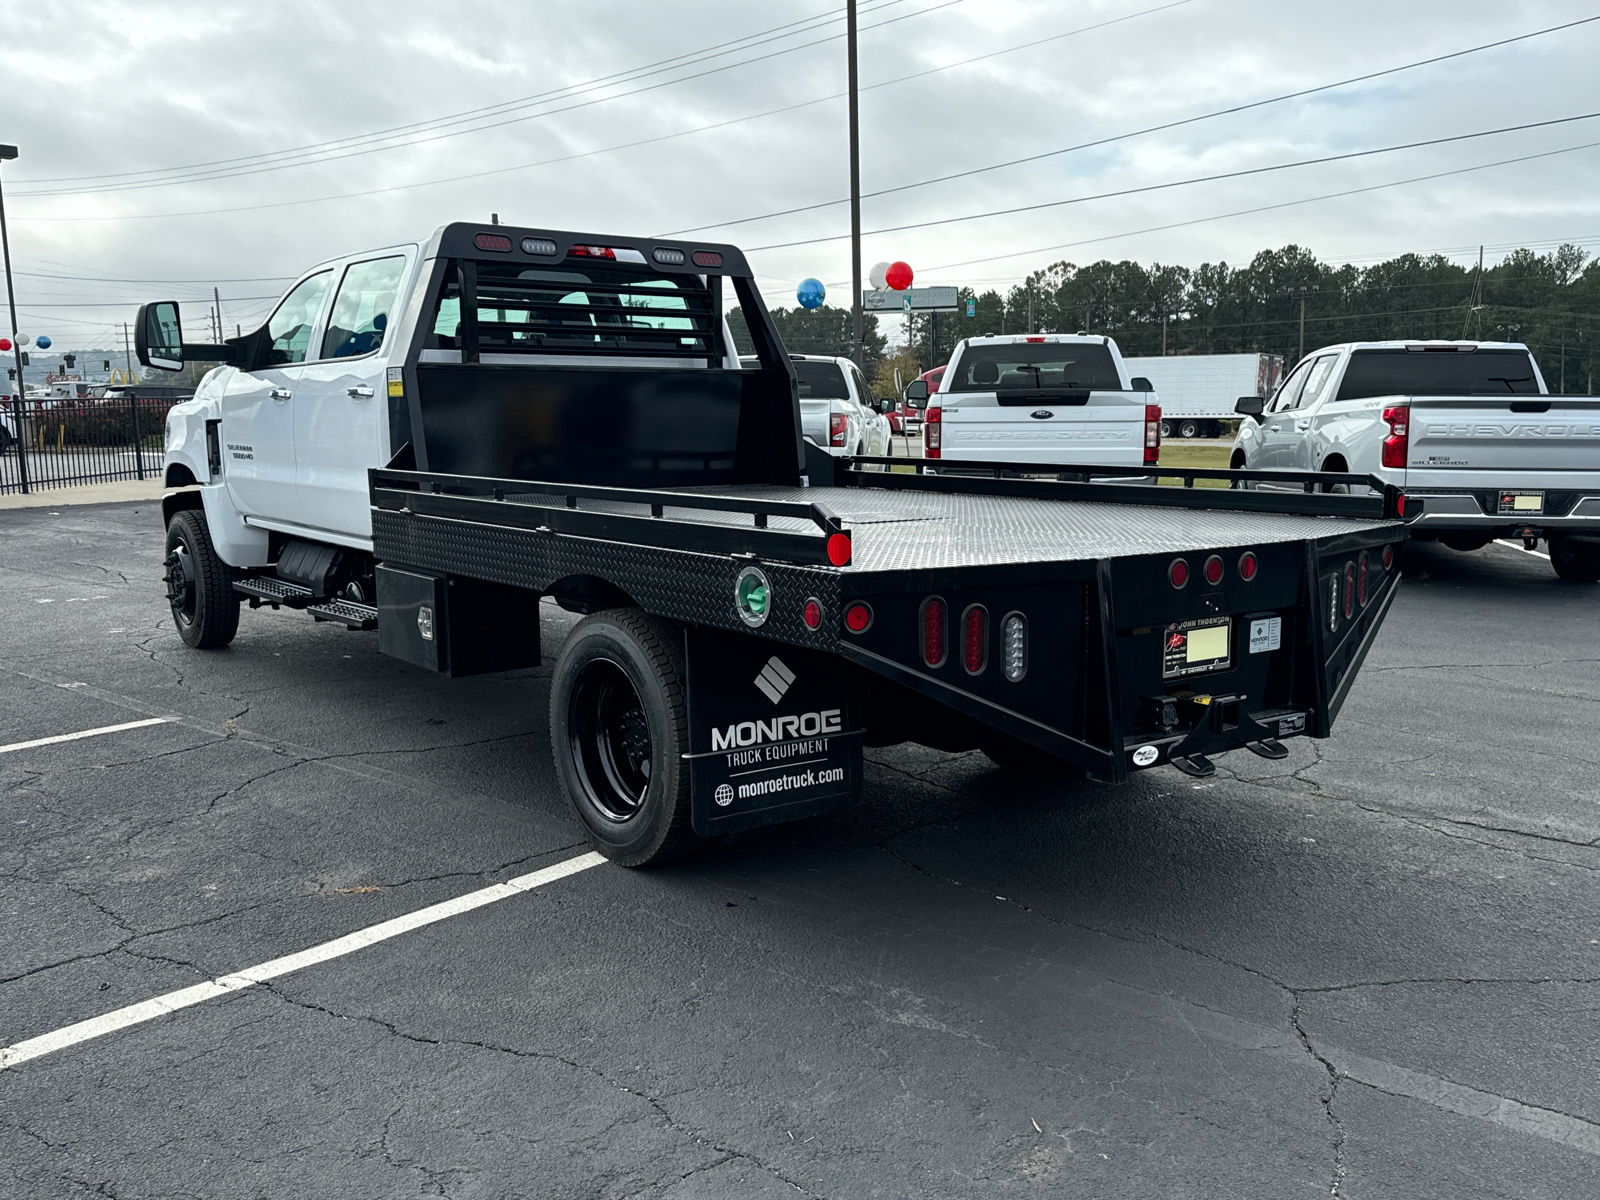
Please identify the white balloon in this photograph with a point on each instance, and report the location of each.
(876, 277)
(23, 339)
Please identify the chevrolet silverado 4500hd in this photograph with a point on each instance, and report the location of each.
(425, 440)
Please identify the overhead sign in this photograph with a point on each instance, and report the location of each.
(927, 299)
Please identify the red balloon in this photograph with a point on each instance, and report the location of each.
(898, 276)
(5, 344)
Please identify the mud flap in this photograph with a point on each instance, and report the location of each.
(774, 732)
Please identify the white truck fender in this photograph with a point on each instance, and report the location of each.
(188, 462)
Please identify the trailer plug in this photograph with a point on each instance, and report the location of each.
(1159, 711)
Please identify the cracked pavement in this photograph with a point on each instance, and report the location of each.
(1368, 970)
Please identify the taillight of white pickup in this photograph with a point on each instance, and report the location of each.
(932, 428)
(836, 429)
(1398, 419)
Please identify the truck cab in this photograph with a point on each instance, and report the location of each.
(1040, 399)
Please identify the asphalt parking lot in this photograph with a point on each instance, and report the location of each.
(1369, 970)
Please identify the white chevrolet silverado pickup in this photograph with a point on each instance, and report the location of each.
(1467, 427)
(1039, 399)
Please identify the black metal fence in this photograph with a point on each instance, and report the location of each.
(51, 443)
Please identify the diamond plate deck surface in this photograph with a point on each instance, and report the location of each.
(911, 530)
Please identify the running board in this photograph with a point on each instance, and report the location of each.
(347, 613)
(264, 589)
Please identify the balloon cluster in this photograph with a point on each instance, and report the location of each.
(895, 276)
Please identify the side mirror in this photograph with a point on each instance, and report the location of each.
(1141, 384)
(887, 406)
(1250, 406)
(916, 393)
(158, 336)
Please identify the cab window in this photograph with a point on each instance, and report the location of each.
(361, 309)
(1316, 382)
(289, 329)
(1289, 393)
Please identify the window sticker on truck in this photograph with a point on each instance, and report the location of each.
(1192, 647)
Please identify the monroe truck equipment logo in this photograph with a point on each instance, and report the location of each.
(774, 679)
(779, 729)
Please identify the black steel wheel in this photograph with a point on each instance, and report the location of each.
(1576, 562)
(619, 729)
(205, 607)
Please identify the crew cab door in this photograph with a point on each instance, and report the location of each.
(341, 408)
(258, 451)
(1285, 433)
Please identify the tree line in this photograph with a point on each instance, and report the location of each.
(1284, 302)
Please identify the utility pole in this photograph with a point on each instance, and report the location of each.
(1302, 353)
(855, 187)
(127, 351)
(1030, 306)
(18, 397)
(1163, 333)
(216, 296)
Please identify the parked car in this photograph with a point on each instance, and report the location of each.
(837, 409)
(1469, 428)
(1039, 398)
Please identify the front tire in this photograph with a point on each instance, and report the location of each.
(205, 607)
(1576, 562)
(619, 728)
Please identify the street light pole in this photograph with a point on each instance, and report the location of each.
(7, 153)
(855, 189)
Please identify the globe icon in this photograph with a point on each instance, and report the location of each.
(723, 795)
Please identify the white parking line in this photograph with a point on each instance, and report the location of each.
(1523, 549)
(86, 733)
(135, 1014)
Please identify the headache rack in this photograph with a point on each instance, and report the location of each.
(1067, 481)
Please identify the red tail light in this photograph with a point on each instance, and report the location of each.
(1247, 566)
(933, 634)
(1349, 590)
(707, 258)
(1388, 558)
(839, 549)
(1214, 570)
(836, 429)
(493, 241)
(592, 252)
(858, 617)
(1178, 573)
(932, 427)
(811, 614)
(1152, 433)
(975, 639)
(1394, 446)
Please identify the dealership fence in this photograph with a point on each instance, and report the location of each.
(52, 443)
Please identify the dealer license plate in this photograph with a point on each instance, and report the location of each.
(1193, 647)
(1521, 504)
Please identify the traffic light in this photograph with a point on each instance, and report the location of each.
(25, 358)
(11, 372)
(105, 364)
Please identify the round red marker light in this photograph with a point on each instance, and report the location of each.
(1388, 558)
(1178, 573)
(858, 617)
(811, 614)
(839, 549)
(1247, 566)
(1214, 570)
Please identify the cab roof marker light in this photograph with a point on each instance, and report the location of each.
(541, 246)
(668, 256)
(498, 243)
(707, 258)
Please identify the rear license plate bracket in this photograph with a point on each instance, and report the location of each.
(1521, 504)
(1197, 647)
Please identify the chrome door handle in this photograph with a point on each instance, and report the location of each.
(359, 392)
(1273, 428)
(1302, 426)
(281, 394)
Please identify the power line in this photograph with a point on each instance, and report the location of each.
(1105, 141)
(1245, 212)
(417, 141)
(1176, 183)
(705, 52)
(649, 141)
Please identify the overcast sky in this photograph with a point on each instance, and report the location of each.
(590, 128)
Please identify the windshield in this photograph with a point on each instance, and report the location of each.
(821, 381)
(1035, 365)
(1438, 373)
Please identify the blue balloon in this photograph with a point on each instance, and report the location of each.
(810, 293)
(42, 341)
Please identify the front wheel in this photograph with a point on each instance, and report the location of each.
(619, 727)
(205, 607)
(1576, 562)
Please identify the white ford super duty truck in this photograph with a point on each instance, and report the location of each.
(1468, 427)
(1039, 399)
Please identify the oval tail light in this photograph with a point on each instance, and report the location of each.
(1361, 581)
(707, 258)
(496, 242)
(1349, 590)
(932, 620)
(975, 639)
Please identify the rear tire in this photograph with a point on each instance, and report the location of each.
(1576, 562)
(1189, 429)
(619, 730)
(205, 607)
(1030, 762)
